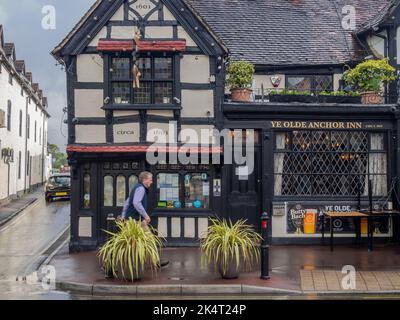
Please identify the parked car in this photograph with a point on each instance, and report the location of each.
(58, 186)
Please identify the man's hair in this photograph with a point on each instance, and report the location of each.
(144, 175)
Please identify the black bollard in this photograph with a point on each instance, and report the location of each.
(264, 247)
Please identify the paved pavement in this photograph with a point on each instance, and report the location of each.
(13, 208)
(365, 281)
(295, 271)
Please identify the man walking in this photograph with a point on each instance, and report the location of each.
(135, 206)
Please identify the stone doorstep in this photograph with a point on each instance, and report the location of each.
(171, 290)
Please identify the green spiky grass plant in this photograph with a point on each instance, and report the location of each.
(130, 250)
(226, 242)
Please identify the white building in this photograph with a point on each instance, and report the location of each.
(23, 127)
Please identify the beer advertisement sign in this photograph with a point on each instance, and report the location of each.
(305, 219)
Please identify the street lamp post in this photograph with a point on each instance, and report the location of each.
(264, 247)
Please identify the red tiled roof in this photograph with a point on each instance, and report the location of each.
(143, 149)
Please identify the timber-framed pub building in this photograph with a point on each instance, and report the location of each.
(309, 157)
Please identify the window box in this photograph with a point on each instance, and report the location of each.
(287, 98)
(339, 99)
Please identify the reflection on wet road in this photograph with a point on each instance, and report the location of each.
(22, 243)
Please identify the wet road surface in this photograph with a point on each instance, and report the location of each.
(23, 245)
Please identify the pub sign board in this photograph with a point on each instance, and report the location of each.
(303, 219)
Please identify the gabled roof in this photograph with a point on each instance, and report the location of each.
(9, 49)
(28, 76)
(76, 27)
(97, 12)
(20, 66)
(35, 87)
(381, 17)
(287, 32)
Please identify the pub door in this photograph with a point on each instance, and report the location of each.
(117, 180)
(244, 195)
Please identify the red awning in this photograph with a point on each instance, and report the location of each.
(143, 149)
(143, 45)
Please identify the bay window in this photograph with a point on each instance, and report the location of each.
(156, 81)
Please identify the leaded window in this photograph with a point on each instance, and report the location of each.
(310, 83)
(156, 81)
(330, 163)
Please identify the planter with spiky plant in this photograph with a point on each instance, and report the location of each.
(229, 246)
(131, 251)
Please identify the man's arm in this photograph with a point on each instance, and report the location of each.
(137, 202)
(125, 209)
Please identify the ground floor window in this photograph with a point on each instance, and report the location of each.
(185, 189)
(197, 190)
(330, 163)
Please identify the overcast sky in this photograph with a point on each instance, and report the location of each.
(22, 22)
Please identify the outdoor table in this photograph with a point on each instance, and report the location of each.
(371, 217)
(364, 213)
(333, 214)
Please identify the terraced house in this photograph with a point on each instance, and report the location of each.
(309, 157)
(23, 126)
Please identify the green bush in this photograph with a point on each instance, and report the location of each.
(340, 93)
(370, 75)
(240, 75)
(130, 250)
(290, 92)
(226, 240)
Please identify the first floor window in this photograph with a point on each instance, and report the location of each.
(9, 115)
(310, 83)
(330, 163)
(156, 81)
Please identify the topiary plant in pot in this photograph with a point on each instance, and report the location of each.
(131, 251)
(368, 77)
(229, 245)
(239, 80)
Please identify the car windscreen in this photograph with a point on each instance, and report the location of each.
(60, 181)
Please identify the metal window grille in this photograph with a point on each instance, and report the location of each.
(325, 163)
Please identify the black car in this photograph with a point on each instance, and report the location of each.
(58, 186)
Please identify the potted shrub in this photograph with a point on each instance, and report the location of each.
(229, 245)
(339, 97)
(130, 251)
(369, 77)
(240, 79)
(287, 96)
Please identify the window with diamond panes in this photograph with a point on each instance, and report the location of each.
(310, 83)
(156, 81)
(330, 163)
